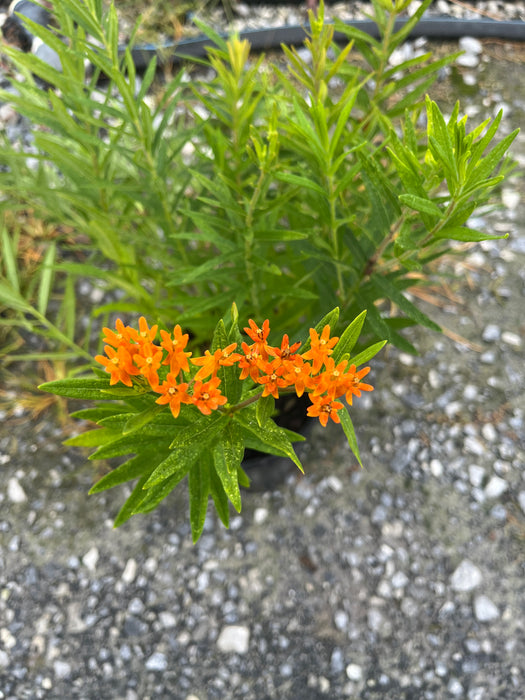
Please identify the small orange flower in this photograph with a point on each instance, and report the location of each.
(332, 380)
(321, 347)
(144, 334)
(259, 336)
(298, 372)
(118, 364)
(207, 397)
(324, 407)
(121, 335)
(353, 384)
(285, 352)
(249, 364)
(211, 363)
(173, 394)
(177, 359)
(272, 380)
(148, 361)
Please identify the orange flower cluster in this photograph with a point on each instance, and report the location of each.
(131, 353)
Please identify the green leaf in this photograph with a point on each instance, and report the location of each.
(348, 428)
(226, 460)
(78, 388)
(270, 438)
(13, 299)
(176, 465)
(244, 479)
(264, 410)
(486, 165)
(300, 181)
(203, 429)
(131, 469)
(9, 256)
(349, 338)
(220, 499)
(138, 420)
(96, 414)
(427, 206)
(279, 235)
(392, 293)
(91, 438)
(129, 444)
(128, 509)
(153, 496)
(367, 354)
(463, 233)
(199, 489)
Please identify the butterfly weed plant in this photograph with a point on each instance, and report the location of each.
(293, 190)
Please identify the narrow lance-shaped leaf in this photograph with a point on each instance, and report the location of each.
(349, 337)
(131, 469)
(228, 452)
(199, 490)
(348, 428)
(220, 499)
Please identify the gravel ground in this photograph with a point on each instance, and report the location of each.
(401, 580)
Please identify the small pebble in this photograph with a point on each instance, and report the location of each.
(260, 515)
(484, 609)
(496, 487)
(466, 577)
(470, 44)
(157, 662)
(512, 339)
(491, 333)
(15, 492)
(130, 571)
(354, 672)
(90, 558)
(234, 638)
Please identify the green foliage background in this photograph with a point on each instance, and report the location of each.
(285, 189)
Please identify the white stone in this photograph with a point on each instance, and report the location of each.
(399, 579)
(157, 662)
(234, 638)
(436, 468)
(470, 44)
(511, 339)
(354, 672)
(62, 669)
(4, 659)
(167, 619)
(488, 431)
(473, 446)
(341, 620)
(491, 333)
(260, 515)
(334, 483)
(466, 577)
(434, 379)
(496, 487)
(90, 559)
(130, 571)
(476, 474)
(484, 609)
(468, 60)
(15, 492)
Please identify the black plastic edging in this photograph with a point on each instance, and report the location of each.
(291, 35)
